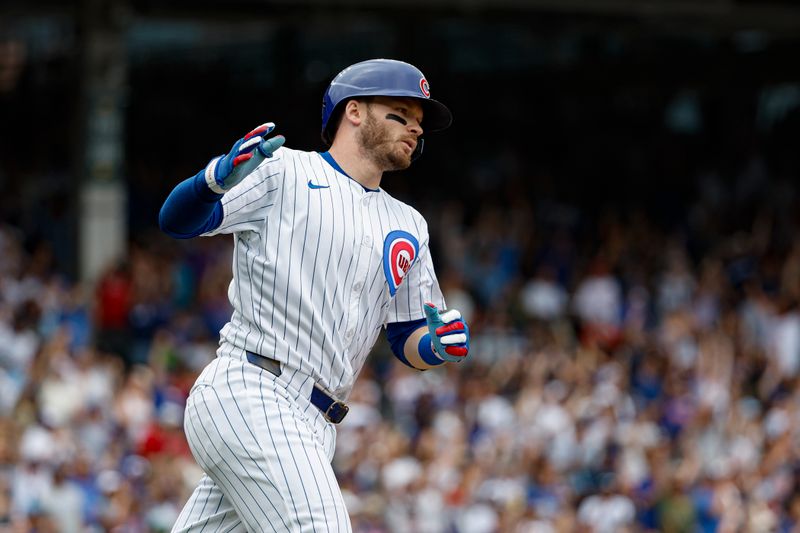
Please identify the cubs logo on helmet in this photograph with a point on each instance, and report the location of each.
(425, 88)
(400, 249)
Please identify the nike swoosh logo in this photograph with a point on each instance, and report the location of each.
(312, 185)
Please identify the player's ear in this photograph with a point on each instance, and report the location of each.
(354, 111)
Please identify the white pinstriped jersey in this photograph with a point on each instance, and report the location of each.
(319, 266)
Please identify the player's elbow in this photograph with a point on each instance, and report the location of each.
(164, 223)
(184, 215)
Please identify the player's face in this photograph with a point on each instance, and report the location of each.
(390, 131)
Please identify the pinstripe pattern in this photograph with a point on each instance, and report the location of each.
(208, 510)
(309, 290)
(267, 462)
(308, 287)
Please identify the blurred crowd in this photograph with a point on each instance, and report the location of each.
(624, 377)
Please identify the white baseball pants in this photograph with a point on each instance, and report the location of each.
(266, 452)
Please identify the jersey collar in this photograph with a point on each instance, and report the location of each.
(332, 162)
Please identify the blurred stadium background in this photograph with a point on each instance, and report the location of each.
(615, 209)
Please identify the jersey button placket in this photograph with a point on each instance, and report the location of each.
(366, 247)
(361, 273)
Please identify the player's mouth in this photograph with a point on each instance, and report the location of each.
(410, 144)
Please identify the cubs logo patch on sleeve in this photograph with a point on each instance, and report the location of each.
(400, 249)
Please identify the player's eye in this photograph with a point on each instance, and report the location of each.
(406, 113)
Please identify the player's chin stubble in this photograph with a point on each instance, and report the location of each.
(378, 145)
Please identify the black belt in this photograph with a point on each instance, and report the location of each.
(333, 410)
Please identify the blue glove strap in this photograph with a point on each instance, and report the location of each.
(426, 352)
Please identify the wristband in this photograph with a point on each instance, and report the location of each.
(426, 352)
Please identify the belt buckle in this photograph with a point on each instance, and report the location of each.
(336, 412)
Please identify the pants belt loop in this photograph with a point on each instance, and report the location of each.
(265, 363)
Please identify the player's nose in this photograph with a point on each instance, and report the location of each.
(415, 127)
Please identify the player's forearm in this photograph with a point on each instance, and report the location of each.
(190, 209)
(418, 352)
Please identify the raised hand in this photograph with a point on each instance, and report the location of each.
(224, 172)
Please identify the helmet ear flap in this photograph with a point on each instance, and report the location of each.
(332, 126)
(418, 150)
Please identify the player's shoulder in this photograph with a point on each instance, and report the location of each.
(292, 152)
(396, 203)
(284, 153)
(299, 159)
(399, 206)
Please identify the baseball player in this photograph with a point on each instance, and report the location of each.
(324, 259)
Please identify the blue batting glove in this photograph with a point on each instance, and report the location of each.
(449, 333)
(224, 172)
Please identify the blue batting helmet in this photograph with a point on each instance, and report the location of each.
(382, 77)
